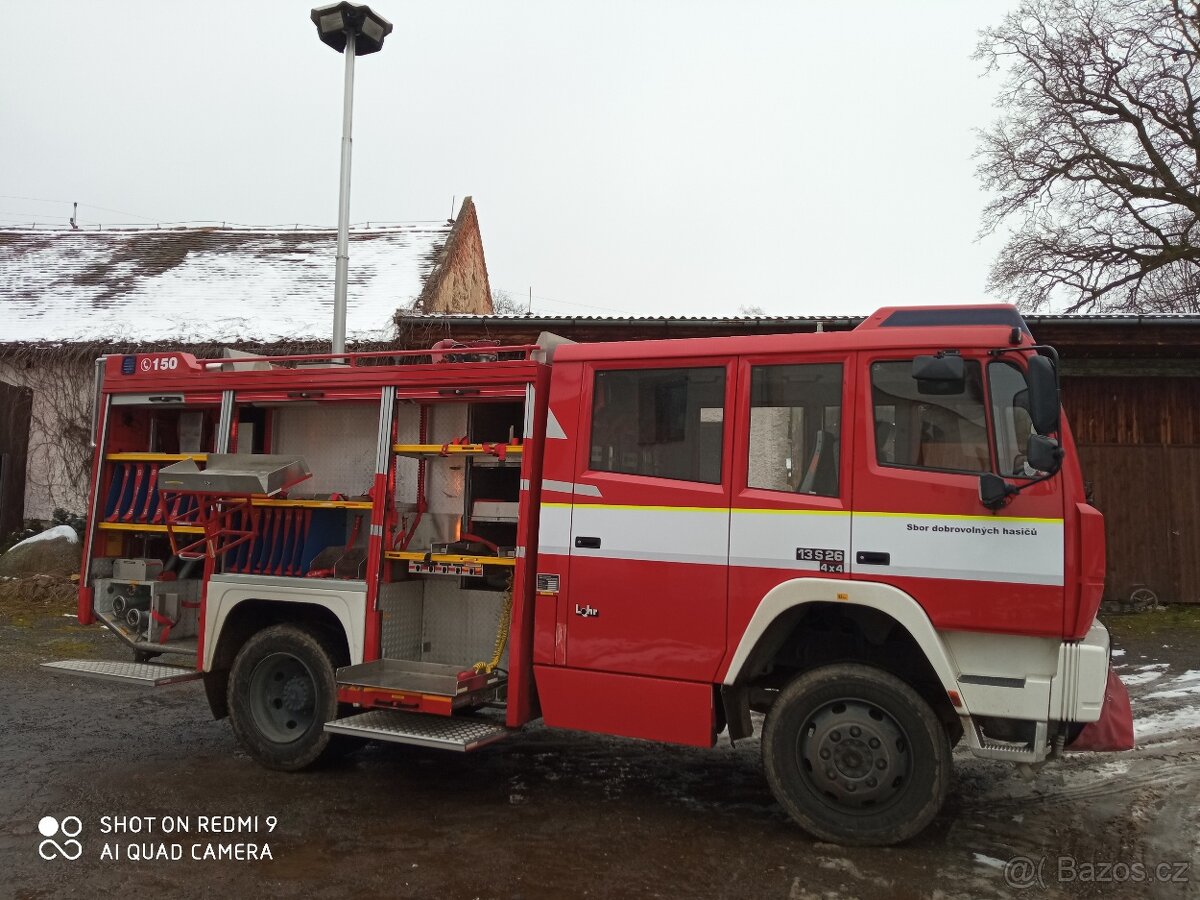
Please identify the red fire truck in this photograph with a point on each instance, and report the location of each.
(878, 538)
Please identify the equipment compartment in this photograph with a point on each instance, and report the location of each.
(150, 613)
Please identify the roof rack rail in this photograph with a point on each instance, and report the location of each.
(516, 352)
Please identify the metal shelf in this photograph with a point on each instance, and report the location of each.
(155, 457)
(316, 504)
(450, 558)
(137, 526)
(436, 450)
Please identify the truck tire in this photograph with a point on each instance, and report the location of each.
(282, 691)
(856, 756)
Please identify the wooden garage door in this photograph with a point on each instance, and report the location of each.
(15, 405)
(1150, 497)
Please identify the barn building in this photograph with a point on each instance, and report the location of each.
(68, 297)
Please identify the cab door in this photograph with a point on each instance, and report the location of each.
(791, 493)
(649, 539)
(918, 523)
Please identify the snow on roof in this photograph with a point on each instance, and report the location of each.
(200, 285)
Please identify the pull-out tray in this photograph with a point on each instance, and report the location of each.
(235, 473)
(406, 676)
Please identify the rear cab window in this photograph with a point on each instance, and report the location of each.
(795, 428)
(660, 423)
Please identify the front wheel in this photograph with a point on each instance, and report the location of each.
(282, 691)
(856, 756)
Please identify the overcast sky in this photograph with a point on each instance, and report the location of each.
(650, 158)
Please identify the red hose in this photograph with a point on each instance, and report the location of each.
(495, 548)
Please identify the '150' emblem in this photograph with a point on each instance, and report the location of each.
(587, 611)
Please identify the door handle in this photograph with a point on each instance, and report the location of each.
(589, 543)
(872, 558)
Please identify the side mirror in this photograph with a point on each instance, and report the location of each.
(994, 491)
(1043, 396)
(941, 375)
(1043, 453)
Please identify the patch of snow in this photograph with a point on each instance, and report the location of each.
(50, 534)
(1184, 685)
(1145, 674)
(847, 867)
(1107, 770)
(1118, 653)
(1165, 722)
(989, 861)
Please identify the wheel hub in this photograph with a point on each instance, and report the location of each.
(854, 753)
(297, 694)
(282, 698)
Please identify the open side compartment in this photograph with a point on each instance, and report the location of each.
(446, 597)
(318, 527)
(139, 589)
(151, 610)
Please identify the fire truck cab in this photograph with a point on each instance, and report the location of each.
(877, 538)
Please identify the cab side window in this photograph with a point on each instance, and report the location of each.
(666, 423)
(1010, 417)
(944, 432)
(795, 426)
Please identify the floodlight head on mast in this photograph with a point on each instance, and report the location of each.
(336, 22)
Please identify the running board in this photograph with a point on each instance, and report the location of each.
(144, 674)
(420, 729)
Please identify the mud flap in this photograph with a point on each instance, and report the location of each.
(1114, 729)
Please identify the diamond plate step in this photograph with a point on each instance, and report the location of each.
(419, 729)
(145, 674)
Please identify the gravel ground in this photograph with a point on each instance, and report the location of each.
(561, 814)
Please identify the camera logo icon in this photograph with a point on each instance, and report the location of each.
(70, 828)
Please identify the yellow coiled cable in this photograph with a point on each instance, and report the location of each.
(501, 632)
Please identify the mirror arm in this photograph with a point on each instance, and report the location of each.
(1011, 490)
(1048, 351)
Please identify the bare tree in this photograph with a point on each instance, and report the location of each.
(1094, 161)
(503, 304)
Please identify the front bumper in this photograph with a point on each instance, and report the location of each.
(1077, 690)
(1077, 694)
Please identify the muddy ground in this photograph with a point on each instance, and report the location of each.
(557, 815)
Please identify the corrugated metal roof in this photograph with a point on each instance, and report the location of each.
(627, 320)
(851, 320)
(197, 285)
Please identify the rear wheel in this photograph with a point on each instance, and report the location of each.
(282, 691)
(855, 755)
